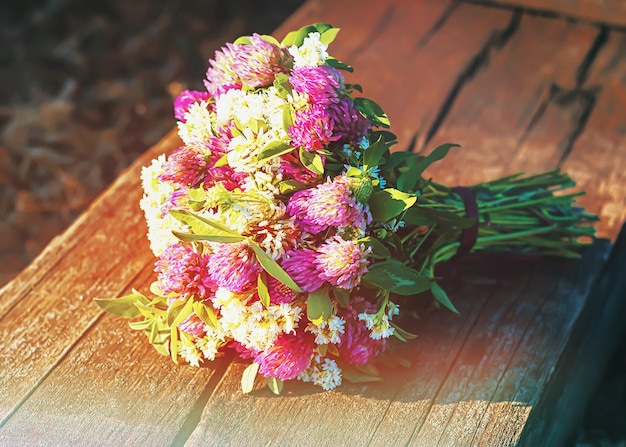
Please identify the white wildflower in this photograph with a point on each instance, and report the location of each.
(191, 355)
(197, 128)
(311, 53)
(253, 325)
(210, 343)
(328, 331)
(323, 372)
(156, 193)
(378, 324)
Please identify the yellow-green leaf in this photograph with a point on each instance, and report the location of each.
(123, 306)
(319, 306)
(206, 313)
(388, 203)
(312, 161)
(262, 289)
(442, 297)
(248, 377)
(273, 268)
(275, 385)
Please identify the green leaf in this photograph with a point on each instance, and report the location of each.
(378, 249)
(418, 215)
(356, 87)
(206, 313)
(140, 325)
(123, 306)
(149, 311)
(355, 376)
(437, 154)
(202, 225)
(442, 297)
(297, 37)
(174, 309)
(388, 203)
(395, 277)
(319, 306)
(290, 186)
(248, 376)
(242, 40)
(388, 137)
(274, 149)
(223, 161)
(289, 39)
(270, 39)
(323, 27)
(275, 385)
(188, 237)
(397, 158)
(273, 268)
(179, 317)
(197, 194)
(312, 161)
(372, 111)
(342, 296)
(336, 63)
(262, 289)
(373, 154)
(329, 35)
(354, 172)
(405, 334)
(288, 117)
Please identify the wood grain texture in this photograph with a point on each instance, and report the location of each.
(511, 116)
(113, 384)
(612, 12)
(50, 304)
(597, 159)
(407, 55)
(595, 337)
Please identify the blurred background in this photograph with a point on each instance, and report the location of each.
(85, 87)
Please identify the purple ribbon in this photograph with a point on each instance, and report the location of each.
(468, 235)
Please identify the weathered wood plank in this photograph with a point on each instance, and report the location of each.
(595, 338)
(49, 305)
(510, 116)
(612, 12)
(413, 75)
(597, 159)
(407, 56)
(111, 383)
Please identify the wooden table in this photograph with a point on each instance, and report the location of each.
(520, 92)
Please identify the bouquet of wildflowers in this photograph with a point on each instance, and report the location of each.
(287, 230)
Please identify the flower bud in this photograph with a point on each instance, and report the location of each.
(361, 188)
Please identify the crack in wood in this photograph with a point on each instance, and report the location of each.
(441, 21)
(90, 326)
(440, 386)
(497, 40)
(376, 31)
(195, 414)
(547, 13)
(588, 100)
(583, 71)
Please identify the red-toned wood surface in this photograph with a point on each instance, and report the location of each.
(519, 92)
(612, 12)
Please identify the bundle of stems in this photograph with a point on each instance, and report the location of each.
(523, 214)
